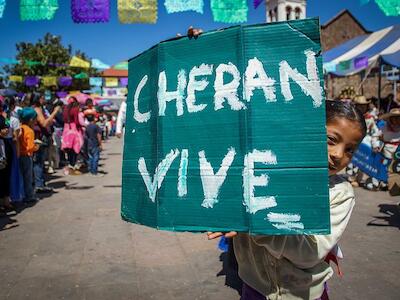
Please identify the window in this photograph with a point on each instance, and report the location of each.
(288, 12)
(297, 13)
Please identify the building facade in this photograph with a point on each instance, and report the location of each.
(285, 10)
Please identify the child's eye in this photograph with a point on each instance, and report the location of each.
(331, 140)
(350, 151)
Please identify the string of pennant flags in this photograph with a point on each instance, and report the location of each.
(131, 11)
(66, 81)
(75, 62)
(355, 63)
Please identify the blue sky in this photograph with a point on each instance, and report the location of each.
(113, 42)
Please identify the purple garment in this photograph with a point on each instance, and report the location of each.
(361, 62)
(257, 3)
(90, 11)
(31, 80)
(65, 81)
(62, 94)
(123, 81)
(248, 293)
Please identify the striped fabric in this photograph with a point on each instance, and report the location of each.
(384, 43)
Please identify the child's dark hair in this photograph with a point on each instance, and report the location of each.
(344, 109)
(90, 118)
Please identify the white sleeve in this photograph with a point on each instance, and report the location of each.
(306, 251)
(121, 118)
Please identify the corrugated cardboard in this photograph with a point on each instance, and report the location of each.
(268, 142)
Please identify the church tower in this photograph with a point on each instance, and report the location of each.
(284, 10)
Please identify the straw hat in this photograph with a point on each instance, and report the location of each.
(395, 112)
(361, 100)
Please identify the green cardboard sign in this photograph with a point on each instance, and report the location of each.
(227, 132)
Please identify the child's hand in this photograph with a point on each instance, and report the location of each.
(194, 32)
(214, 235)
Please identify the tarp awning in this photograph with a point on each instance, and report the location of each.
(357, 54)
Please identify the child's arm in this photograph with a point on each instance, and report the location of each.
(306, 251)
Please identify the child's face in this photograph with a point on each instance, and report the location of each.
(4, 132)
(343, 137)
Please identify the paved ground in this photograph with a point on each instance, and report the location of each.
(73, 245)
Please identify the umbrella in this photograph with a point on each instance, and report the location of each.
(7, 92)
(103, 102)
(81, 97)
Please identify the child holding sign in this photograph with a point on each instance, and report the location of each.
(294, 266)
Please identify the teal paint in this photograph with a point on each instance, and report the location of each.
(227, 132)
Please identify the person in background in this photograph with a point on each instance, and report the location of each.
(72, 138)
(43, 136)
(90, 109)
(5, 165)
(121, 120)
(27, 149)
(16, 184)
(389, 140)
(94, 145)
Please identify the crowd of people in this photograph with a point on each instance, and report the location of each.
(383, 138)
(38, 136)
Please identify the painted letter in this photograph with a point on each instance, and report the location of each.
(182, 179)
(164, 96)
(251, 82)
(229, 90)
(285, 221)
(252, 203)
(213, 182)
(310, 85)
(195, 85)
(137, 115)
(154, 184)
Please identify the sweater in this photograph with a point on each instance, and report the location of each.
(293, 266)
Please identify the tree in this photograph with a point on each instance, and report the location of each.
(47, 57)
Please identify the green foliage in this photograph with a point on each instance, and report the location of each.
(43, 59)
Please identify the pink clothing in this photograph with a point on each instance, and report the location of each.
(72, 138)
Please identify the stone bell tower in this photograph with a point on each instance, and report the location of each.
(284, 10)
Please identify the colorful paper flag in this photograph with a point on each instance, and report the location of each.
(111, 82)
(175, 6)
(90, 11)
(81, 75)
(8, 60)
(15, 78)
(361, 62)
(389, 7)
(96, 81)
(49, 80)
(32, 63)
(363, 2)
(31, 80)
(123, 65)
(62, 94)
(79, 62)
(34, 10)
(330, 67)
(257, 3)
(2, 7)
(123, 81)
(65, 81)
(137, 11)
(98, 64)
(229, 11)
(344, 65)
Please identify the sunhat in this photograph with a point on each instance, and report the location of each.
(395, 112)
(361, 100)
